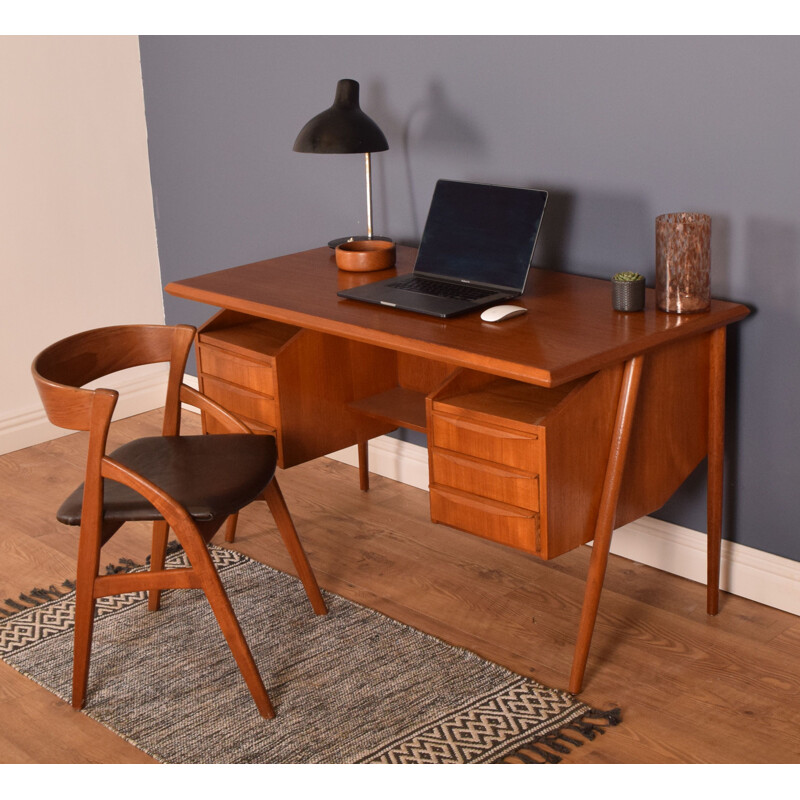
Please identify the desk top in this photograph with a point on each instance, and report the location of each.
(570, 329)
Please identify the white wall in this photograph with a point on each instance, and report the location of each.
(77, 230)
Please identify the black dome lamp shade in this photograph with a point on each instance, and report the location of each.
(342, 128)
(345, 128)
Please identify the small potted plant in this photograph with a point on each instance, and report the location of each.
(627, 291)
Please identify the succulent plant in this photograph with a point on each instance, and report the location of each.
(628, 276)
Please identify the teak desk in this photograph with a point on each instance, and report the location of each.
(545, 431)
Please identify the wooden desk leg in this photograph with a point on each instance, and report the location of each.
(716, 452)
(626, 406)
(363, 465)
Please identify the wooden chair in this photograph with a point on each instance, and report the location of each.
(191, 484)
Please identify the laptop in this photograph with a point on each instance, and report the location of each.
(475, 251)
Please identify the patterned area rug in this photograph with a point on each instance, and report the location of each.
(350, 687)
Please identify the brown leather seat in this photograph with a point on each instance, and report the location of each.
(212, 477)
(190, 484)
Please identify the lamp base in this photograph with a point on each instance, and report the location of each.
(334, 243)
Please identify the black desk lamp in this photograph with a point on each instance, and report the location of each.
(345, 128)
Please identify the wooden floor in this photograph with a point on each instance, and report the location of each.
(693, 689)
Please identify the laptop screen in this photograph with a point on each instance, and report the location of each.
(480, 233)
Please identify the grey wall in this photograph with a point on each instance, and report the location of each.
(618, 129)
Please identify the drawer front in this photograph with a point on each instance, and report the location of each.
(215, 426)
(499, 522)
(500, 445)
(241, 371)
(485, 479)
(241, 401)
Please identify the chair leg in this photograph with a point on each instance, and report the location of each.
(230, 528)
(277, 505)
(226, 618)
(157, 554)
(88, 565)
(82, 649)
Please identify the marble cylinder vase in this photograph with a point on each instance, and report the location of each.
(683, 262)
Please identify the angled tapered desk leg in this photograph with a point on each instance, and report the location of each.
(716, 452)
(626, 406)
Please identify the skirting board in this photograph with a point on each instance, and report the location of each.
(746, 572)
(141, 389)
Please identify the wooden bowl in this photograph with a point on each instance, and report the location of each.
(367, 255)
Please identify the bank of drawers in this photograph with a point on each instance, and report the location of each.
(485, 479)
(244, 386)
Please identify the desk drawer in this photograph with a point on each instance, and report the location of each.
(501, 445)
(499, 522)
(485, 479)
(241, 401)
(213, 426)
(235, 369)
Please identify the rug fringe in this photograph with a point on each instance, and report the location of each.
(35, 597)
(123, 565)
(545, 749)
(128, 564)
(38, 595)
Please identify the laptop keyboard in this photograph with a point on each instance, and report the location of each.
(454, 291)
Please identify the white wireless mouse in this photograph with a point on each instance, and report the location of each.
(497, 313)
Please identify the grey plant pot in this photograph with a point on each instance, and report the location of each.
(627, 295)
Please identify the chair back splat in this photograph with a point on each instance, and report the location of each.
(188, 484)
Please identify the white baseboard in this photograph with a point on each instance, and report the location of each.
(392, 458)
(141, 389)
(746, 572)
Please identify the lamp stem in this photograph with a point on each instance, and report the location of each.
(368, 169)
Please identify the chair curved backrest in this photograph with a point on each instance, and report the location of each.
(62, 369)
